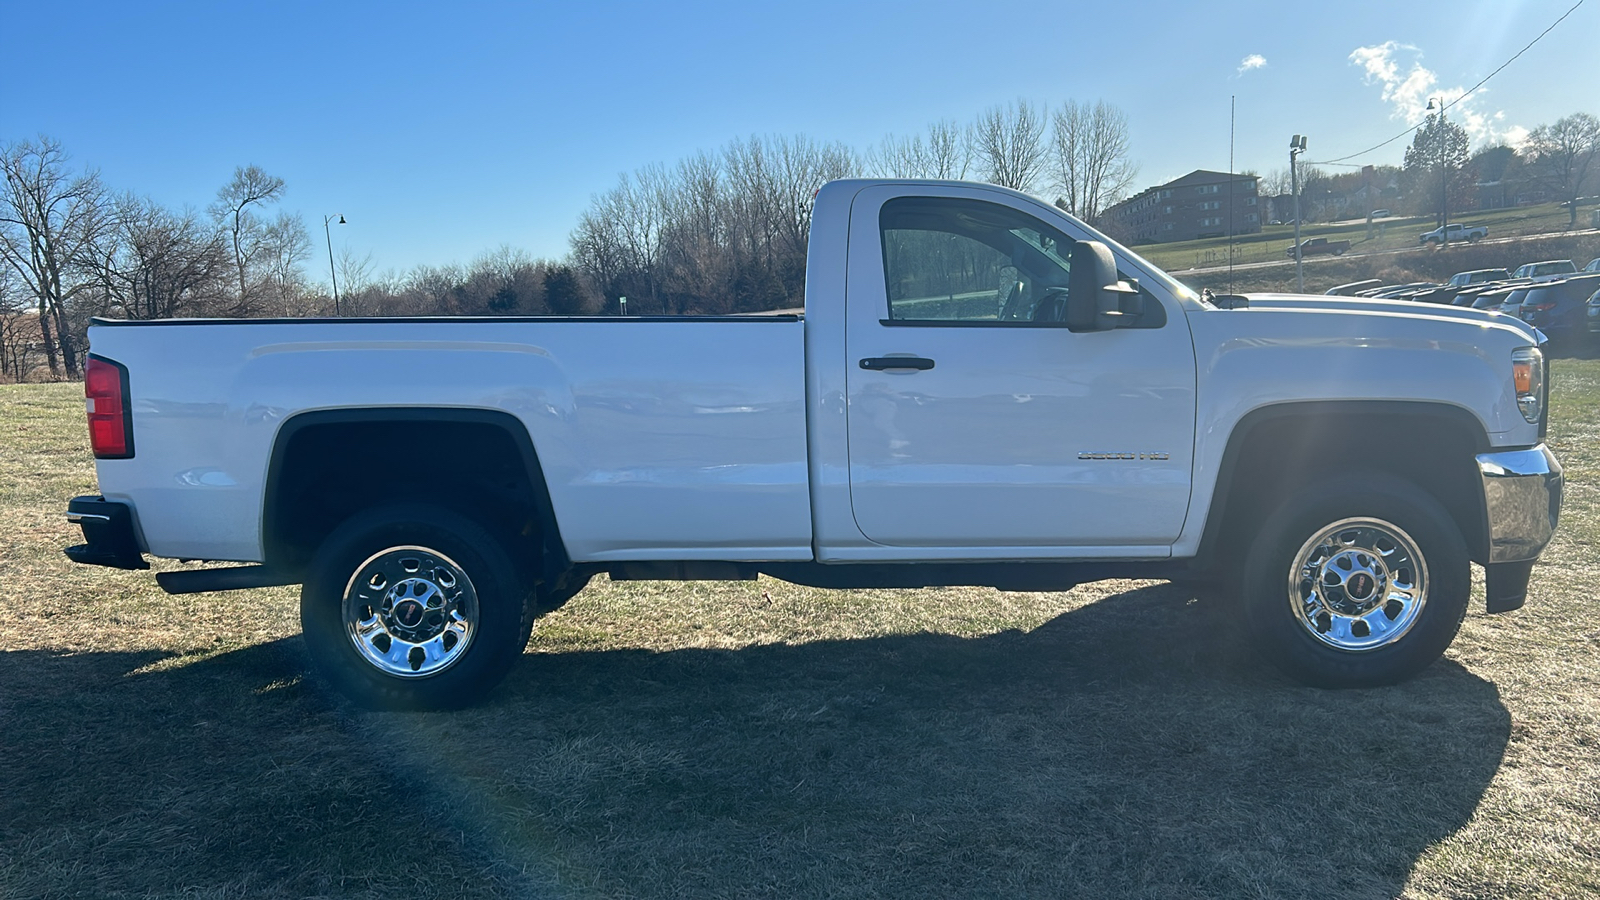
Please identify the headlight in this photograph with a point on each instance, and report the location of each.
(1527, 373)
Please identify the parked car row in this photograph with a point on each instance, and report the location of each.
(1554, 295)
(1478, 276)
(1558, 307)
(1550, 268)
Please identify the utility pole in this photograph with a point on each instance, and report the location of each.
(1297, 146)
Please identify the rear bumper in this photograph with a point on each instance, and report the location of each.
(108, 535)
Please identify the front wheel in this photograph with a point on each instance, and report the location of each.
(412, 607)
(1358, 581)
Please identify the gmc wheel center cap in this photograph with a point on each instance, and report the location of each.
(1360, 586)
(409, 613)
(1355, 580)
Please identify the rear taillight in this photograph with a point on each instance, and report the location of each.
(105, 385)
(1544, 307)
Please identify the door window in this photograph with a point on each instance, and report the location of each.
(953, 260)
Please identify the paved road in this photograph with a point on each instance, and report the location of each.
(1399, 251)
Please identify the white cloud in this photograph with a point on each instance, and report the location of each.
(1515, 136)
(1407, 86)
(1253, 61)
(1409, 91)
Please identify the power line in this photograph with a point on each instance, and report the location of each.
(1469, 93)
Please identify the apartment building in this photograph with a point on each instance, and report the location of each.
(1194, 206)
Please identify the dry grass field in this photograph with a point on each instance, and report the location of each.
(767, 740)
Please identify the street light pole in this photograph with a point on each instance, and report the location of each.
(328, 235)
(1297, 146)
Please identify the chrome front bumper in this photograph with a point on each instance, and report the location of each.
(1522, 496)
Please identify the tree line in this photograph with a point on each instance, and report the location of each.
(72, 249)
(726, 232)
(718, 232)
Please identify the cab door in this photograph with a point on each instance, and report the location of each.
(975, 418)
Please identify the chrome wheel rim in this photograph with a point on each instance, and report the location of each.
(410, 612)
(1358, 584)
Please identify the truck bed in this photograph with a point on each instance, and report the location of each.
(659, 438)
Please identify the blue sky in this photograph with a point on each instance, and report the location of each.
(445, 130)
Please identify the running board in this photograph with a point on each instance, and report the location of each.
(232, 578)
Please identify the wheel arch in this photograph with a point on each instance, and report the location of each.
(292, 471)
(1274, 448)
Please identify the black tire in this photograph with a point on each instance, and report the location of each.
(424, 566)
(1322, 612)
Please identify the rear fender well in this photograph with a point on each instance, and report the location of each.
(285, 472)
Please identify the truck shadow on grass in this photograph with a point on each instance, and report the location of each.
(1127, 748)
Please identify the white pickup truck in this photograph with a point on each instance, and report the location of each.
(981, 391)
(1453, 233)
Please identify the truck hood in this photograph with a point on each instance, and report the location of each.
(1435, 311)
(1285, 348)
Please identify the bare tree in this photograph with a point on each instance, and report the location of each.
(717, 233)
(628, 255)
(285, 246)
(1275, 183)
(19, 327)
(153, 264)
(251, 185)
(1091, 157)
(355, 278)
(1561, 156)
(1009, 143)
(597, 246)
(430, 290)
(945, 152)
(696, 256)
(48, 219)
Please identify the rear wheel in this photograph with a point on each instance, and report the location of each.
(1358, 581)
(412, 607)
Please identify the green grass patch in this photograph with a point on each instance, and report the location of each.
(764, 739)
(1398, 234)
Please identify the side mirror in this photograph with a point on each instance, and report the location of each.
(1096, 299)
